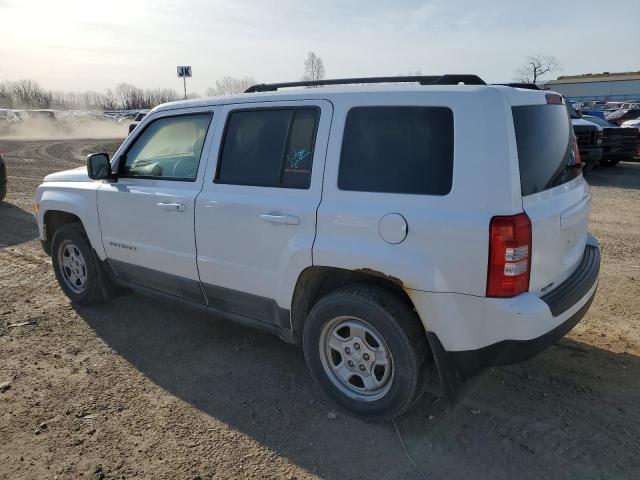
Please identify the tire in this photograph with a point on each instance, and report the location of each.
(609, 163)
(78, 275)
(354, 319)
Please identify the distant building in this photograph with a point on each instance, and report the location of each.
(598, 86)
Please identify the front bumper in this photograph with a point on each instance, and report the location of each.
(618, 153)
(591, 154)
(578, 289)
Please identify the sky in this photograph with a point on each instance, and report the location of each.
(78, 45)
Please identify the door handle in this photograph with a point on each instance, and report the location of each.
(281, 219)
(171, 207)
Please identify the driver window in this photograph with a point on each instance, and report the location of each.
(169, 148)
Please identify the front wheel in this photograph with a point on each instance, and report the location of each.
(609, 162)
(367, 349)
(75, 266)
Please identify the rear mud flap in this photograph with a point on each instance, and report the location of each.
(449, 379)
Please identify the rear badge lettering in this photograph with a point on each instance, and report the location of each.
(548, 287)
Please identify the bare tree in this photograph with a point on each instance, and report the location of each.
(313, 67)
(230, 85)
(109, 100)
(536, 66)
(156, 96)
(130, 97)
(90, 99)
(6, 100)
(27, 93)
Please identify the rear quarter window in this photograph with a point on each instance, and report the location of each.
(397, 150)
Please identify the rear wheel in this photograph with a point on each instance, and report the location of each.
(75, 266)
(367, 349)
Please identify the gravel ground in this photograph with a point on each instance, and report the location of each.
(144, 389)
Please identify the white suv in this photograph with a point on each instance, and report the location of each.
(388, 229)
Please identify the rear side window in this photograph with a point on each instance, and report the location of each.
(544, 138)
(269, 148)
(397, 150)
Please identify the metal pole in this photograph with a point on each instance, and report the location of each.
(184, 81)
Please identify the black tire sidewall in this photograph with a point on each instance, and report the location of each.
(74, 234)
(406, 374)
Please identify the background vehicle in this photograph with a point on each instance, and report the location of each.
(343, 213)
(589, 137)
(22, 115)
(8, 116)
(594, 108)
(42, 115)
(618, 144)
(137, 119)
(620, 116)
(3, 178)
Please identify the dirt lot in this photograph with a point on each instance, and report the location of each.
(141, 389)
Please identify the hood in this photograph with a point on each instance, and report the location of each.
(74, 175)
(584, 123)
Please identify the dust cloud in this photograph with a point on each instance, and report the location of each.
(55, 129)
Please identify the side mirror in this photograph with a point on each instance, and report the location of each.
(98, 166)
(131, 127)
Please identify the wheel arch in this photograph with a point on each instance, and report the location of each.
(317, 281)
(61, 207)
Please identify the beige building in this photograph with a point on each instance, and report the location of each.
(598, 86)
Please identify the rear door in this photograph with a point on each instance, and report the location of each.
(555, 195)
(256, 215)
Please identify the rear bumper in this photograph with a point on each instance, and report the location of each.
(470, 362)
(579, 288)
(474, 332)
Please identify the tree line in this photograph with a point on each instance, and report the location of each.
(29, 94)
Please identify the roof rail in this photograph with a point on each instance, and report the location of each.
(421, 79)
(525, 85)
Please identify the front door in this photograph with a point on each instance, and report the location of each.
(256, 215)
(147, 216)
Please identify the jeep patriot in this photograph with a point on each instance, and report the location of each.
(394, 231)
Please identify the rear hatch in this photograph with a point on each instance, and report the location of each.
(555, 196)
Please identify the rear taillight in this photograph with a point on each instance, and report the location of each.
(509, 255)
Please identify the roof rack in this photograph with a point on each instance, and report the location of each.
(421, 79)
(525, 85)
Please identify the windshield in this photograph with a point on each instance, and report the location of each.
(573, 113)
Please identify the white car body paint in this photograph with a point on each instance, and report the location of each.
(442, 262)
(238, 215)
